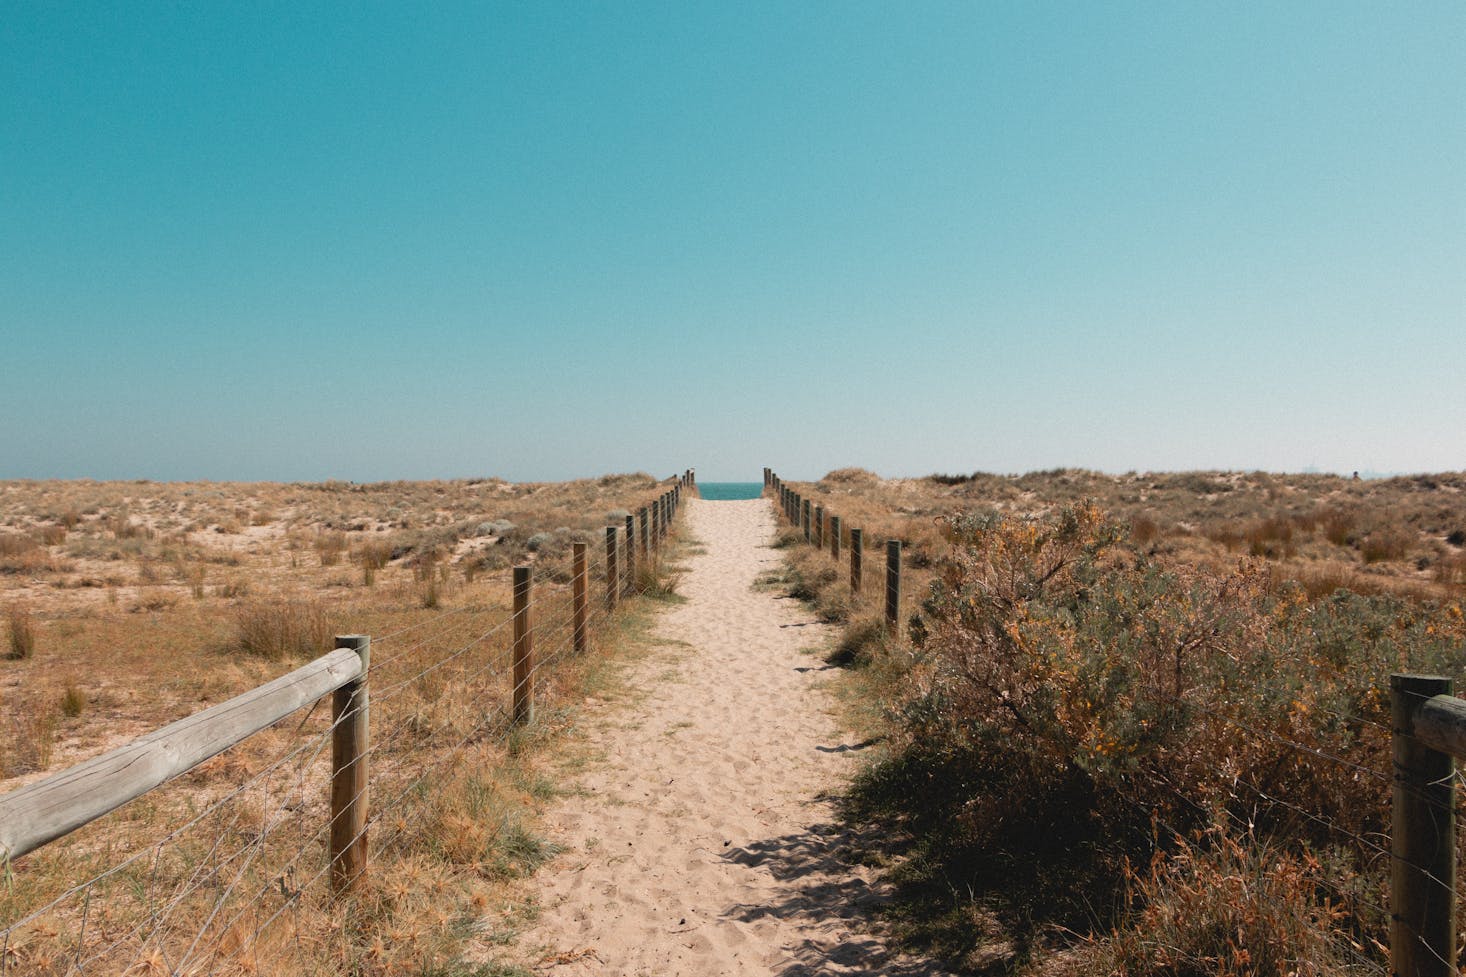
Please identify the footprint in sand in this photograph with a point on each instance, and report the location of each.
(735, 870)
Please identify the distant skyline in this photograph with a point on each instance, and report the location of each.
(543, 241)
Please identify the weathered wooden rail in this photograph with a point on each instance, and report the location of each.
(1429, 734)
(54, 806)
(59, 804)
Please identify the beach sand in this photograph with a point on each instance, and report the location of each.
(705, 843)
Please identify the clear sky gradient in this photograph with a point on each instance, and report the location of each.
(369, 241)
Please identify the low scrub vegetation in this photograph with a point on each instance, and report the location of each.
(160, 599)
(1159, 757)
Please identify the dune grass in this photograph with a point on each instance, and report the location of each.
(1102, 737)
(130, 643)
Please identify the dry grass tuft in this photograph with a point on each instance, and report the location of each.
(1229, 906)
(149, 546)
(22, 633)
(275, 630)
(73, 701)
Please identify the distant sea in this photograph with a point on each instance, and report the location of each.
(727, 491)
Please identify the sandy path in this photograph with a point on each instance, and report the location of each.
(703, 844)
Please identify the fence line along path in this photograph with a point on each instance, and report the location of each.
(703, 843)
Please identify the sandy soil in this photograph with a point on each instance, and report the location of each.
(704, 843)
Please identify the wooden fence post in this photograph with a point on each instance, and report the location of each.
(893, 586)
(819, 527)
(804, 514)
(1423, 834)
(631, 554)
(645, 530)
(611, 577)
(835, 530)
(579, 596)
(857, 546)
(350, 741)
(523, 649)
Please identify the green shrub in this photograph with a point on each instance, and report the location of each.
(1071, 697)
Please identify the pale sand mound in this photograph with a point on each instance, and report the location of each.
(703, 844)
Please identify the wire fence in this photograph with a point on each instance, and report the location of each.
(243, 879)
(1357, 803)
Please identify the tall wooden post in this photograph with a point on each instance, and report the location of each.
(1423, 832)
(580, 598)
(805, 515)
(523, 649)
(350, 743)
(631, 554)
(641, 517)
(857, 541)
(835, 530)
(611, 578)
(819, 527)
(893, 586)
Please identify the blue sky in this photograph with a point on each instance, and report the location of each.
(539, 241)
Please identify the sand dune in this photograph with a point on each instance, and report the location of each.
(704, 844)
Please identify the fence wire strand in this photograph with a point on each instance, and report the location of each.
(224, 868)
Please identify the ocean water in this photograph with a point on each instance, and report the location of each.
(726, 491)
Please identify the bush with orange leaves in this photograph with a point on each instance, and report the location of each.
(1076, 708)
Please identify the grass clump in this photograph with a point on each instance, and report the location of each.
(657, 579)
(1229, 904)
(859, 642)
(22, 632)
(276, 630)
(73, 701)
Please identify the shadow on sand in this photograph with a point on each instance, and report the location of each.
(824, 889)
